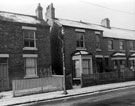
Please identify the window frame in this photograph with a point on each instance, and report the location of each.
(29, 39)
(121, 44)
(89, 68)
(34, 67)
(131, 46)
(79, 41)
(110, 44)
(132, 63)
(98, 42)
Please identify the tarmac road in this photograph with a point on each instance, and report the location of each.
(121, 97)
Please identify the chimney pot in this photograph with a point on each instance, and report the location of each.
(39, 11)
(50, 11)
(106, 23)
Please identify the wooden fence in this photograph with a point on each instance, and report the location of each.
(106, 77)
(37, 85)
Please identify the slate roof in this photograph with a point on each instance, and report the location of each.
(107, 32)
(21, 18)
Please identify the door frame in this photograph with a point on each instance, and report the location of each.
(7, 75)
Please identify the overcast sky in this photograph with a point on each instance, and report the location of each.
(120, 12)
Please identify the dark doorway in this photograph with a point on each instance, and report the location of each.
(99, 65)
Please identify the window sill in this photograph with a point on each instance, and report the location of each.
(30, 48)
(111, 50)
(132, 50)
(30, 76)
(81, 48)
(98, 49)
(77, 78)
(122, 50)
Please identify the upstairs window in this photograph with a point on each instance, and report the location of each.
(131, 45)
(80, 40)
(110, 44)
(121, 45)
(98, 44)
(29, 38)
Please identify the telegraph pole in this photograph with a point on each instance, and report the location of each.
(63, 61)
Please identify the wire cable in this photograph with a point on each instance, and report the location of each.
(108, 8)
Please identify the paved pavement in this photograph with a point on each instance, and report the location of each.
(7, 98)
(119, 97)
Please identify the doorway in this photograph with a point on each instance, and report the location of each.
(4, 79)
(99, 63)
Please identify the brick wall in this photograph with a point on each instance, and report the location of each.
(70, 47)
(11, 42)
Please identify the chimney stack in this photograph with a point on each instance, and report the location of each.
(39, 11)
(106, 23)
(50, 11)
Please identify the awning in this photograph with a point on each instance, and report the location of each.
(81, 52)
(118, 56)
(132, 57)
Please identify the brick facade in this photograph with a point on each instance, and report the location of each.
(102, 57)
(12, 43)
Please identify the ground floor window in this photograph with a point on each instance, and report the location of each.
(82, 64)
(132, 65)
(119, 64)
(31, 67)
(86, 66)
(132, 62)
(122, 63)
(3, 60)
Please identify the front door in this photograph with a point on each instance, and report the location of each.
(4, 80)
(77, 73)
(99, 62)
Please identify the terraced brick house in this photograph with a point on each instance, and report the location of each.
(24, 46)
(89, 48)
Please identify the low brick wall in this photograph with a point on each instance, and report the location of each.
(37, 85)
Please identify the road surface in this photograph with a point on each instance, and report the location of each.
(121, 97)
